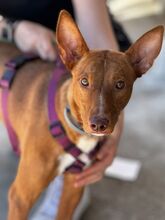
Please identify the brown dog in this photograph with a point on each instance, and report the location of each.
(99, 89)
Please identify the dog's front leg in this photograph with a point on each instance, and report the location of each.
(69, 199)
(35, 172)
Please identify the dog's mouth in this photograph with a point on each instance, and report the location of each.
(99, 134)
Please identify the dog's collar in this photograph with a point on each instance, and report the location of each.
(73, 124)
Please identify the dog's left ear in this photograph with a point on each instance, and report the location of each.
(144, 51)
(70, 42)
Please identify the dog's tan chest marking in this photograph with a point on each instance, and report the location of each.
(84, 143)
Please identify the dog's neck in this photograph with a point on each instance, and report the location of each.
(71, 121)
(62, 101)
(84, 142)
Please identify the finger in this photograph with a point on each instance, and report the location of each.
(49, 52)
(107, 149)
(53, 47)
(53, 50)
(52, 55)
(46, 51)
(41, 51)
(97, 167)
(89, 180)
(103, 152)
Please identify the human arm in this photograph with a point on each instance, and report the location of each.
(31, 37)
(95, 24)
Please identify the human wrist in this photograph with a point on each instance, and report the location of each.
(116, 134)
(7, 29)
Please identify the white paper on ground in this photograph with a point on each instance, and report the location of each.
(124, 169)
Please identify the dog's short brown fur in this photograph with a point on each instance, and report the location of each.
(110, 76)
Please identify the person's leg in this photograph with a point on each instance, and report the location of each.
(49, 206)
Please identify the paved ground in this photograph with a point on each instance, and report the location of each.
(143, 139)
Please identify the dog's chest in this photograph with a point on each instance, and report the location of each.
(86, 144)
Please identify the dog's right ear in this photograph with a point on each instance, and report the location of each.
(70, 42)
(145, 50)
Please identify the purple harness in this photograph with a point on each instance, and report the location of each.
(5, 84)
(55, 125)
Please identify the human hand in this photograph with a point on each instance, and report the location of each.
(104, 158)
(35, 38)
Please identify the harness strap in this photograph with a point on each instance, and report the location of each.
(11, 67)
(6, 83)
(56, 128)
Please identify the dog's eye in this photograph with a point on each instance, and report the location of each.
(120, 84)
(84, 82)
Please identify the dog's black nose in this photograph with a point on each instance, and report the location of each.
(99, 124)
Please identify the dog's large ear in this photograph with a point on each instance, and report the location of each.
(144, 51)
(70, 42)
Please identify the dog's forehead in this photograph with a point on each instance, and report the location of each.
(101, 62)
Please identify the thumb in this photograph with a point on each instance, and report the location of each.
(108, 149)
(103, 151)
